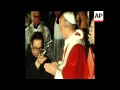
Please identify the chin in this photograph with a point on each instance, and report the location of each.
(64, 38)
(36, 23)
(36, 55)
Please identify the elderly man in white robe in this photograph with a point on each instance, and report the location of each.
(74, 60)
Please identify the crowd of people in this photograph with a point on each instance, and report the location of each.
(71, 54)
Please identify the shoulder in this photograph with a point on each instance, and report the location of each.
(42, 23)
(30, 26)
(28, 53)
(78, 48)
(26, 28)
(46, 28)
(77, 52)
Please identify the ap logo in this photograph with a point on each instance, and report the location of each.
(98, 16)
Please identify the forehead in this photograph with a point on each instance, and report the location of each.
(36, 13)
(37, 42)
(57, 11)
(61, 20)
(82, 14)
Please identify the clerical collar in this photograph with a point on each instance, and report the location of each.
(35, 26)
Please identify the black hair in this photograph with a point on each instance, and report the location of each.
(76, 12)
(37, 35)
(91, 16)
(26, 15)
(61, 13)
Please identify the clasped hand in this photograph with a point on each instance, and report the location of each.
(51, 67)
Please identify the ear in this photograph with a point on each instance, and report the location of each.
(30, 45)
(68, 29)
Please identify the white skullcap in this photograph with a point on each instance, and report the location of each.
(70, 17)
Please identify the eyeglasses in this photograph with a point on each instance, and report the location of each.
(35, 48)
(61, 26)
(36, 16)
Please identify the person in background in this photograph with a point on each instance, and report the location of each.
(26, 21)
(90, 67)
(83, 24)
(91, 53)
(58, 39)
(36, 26)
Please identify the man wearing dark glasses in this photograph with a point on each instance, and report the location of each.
(34, 61)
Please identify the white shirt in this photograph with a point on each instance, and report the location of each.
(57, 34)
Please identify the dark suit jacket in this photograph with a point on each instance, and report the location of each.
(31, 71)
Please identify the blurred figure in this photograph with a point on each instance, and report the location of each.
(90, 68)
(83, 24)
(91, 34)
(58, 39)
(27, 19)
(51, 22)
(82, 20)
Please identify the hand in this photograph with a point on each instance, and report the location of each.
(51, 68)
(55, 63)
(41, 59)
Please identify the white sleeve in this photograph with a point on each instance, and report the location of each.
(48, 33)
(26, 33)
(58, 75)
(26, 36)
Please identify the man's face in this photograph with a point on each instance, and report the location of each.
(57, 13)
(92, 32)
(36, 17)
(36, 47)
(62, 28)
(82, 20)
